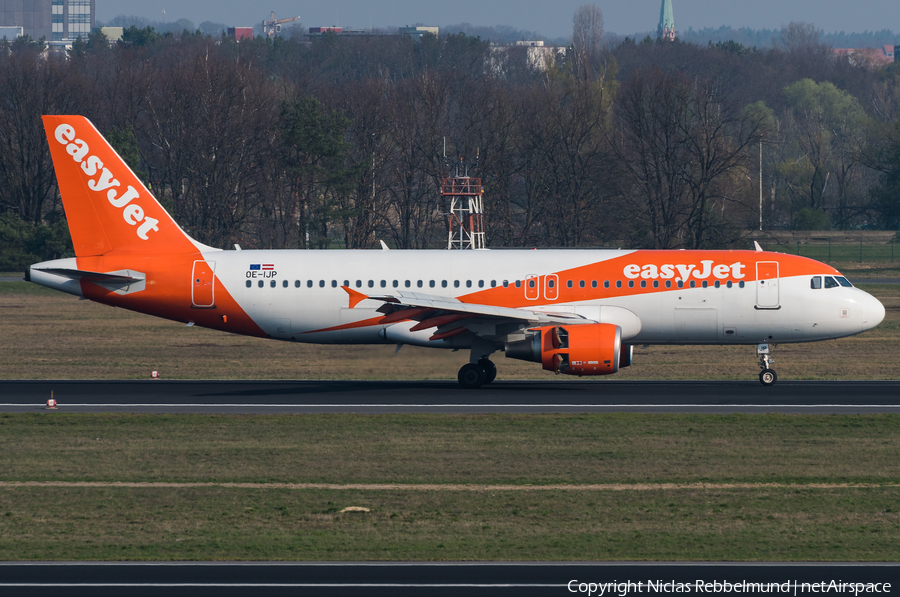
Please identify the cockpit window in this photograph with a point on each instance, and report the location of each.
(816, 282)
(830, 282)
(843, 281)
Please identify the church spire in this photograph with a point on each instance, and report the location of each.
(666, 29)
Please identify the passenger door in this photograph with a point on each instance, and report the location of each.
(767, 285)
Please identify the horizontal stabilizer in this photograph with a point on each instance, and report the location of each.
(77, 274)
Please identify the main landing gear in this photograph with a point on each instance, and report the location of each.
(475, 375)
(767, 376)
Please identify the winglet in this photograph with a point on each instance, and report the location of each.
(355, 297)
(758, 248)
(384, 247)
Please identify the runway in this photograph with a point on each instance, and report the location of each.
(451, 578)
(270, 397)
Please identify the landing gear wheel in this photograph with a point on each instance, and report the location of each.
(490, 370)
(471, 376)
(767, 377)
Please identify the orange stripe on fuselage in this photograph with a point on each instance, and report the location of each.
(614, 270)
(168, 292)
(349, 326)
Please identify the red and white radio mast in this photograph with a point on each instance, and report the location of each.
(466, 201)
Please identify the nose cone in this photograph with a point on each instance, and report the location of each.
(873, 312)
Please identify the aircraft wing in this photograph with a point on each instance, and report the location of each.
(451, 316)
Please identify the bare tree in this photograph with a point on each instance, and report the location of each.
(587, 31)
(798, 35)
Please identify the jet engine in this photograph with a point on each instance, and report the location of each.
(586, 349)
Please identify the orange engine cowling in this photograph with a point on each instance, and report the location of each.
(587, 349)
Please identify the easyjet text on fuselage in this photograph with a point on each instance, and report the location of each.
(683, 271)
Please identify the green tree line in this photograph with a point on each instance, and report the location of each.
(338, 141)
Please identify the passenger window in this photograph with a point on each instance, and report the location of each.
(593, 283)
(297, 284)
(407, 283)
(718, 283)
(272, 284)
(551, 283)
(693, 284)
(346, 283)
(384, 283)
(705, 284)
(261, 283)
(630, 283)
(309, 283)
(668, 283)
(443, 283)
(396, 283)
(284, 284)
(741, 284)
(419, 283)
(606, 284)
(249, 283)
(505, 283)
(568, 283)
(531, 283)
(680, 284)
(830, 282)
(371, 283)
(655, 283)
(493, 283)
(643, 283)
(581, 284)
(815, 282)
(468, 283)
(321, 283)
(480, 283)
(334, 283)
(359, 283)
(843, 281)
(455, 283)
(431, 283)
(618, 283)
(728, 283)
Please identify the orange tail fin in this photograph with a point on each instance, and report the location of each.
(107, 206)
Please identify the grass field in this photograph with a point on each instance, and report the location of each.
(549, 487)
(539, 487)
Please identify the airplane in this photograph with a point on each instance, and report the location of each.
(576, 312)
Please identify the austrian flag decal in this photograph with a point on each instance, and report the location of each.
(261, 270)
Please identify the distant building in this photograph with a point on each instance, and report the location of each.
(113, 34)
(240, 33)
(11, 33)
(666, 28)
(417, 32)
(537, 54)
(58, 21)
(870, 57)
(33, 17)
(316, 31)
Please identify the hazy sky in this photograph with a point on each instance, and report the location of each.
(552, 18)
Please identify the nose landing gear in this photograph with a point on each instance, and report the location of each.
(767, 376)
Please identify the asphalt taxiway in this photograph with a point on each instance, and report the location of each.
(269, 397)
(436, 579)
